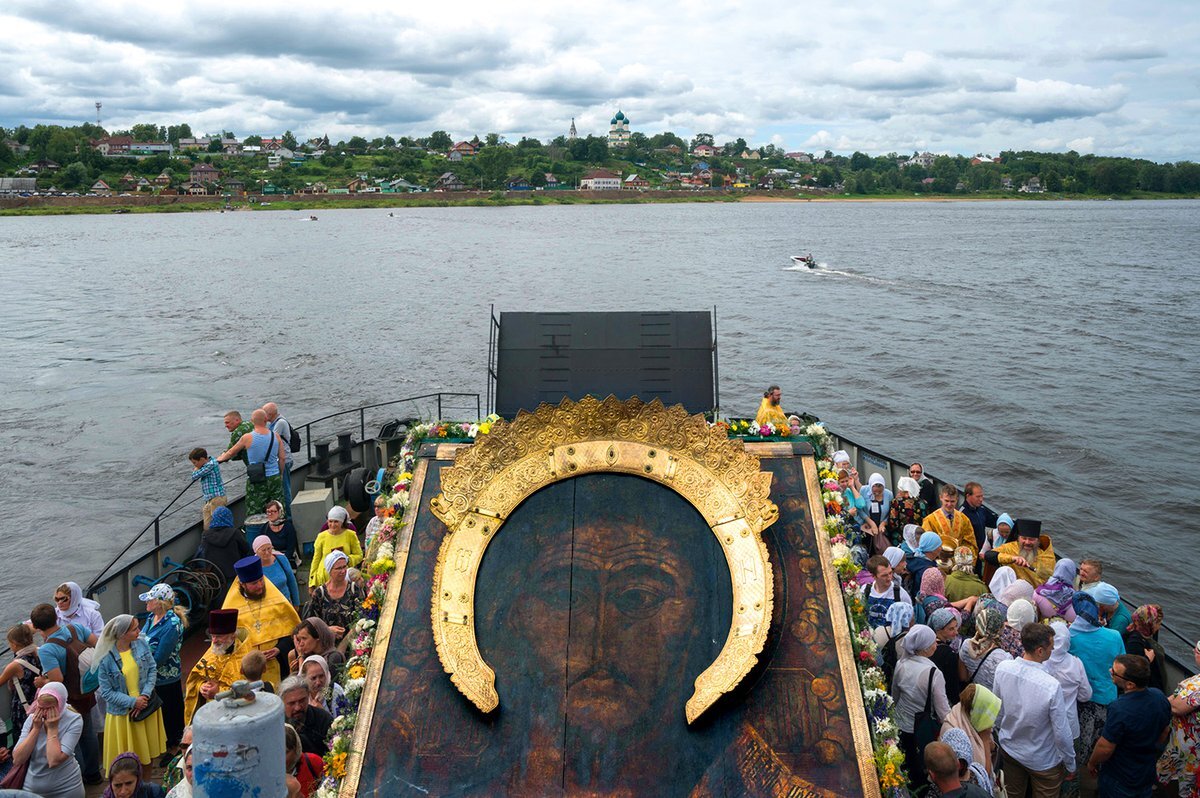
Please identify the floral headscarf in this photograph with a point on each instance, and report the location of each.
(899, 616)
(1060, 588)
(933, 583)
(989, 623)
(1146, 619)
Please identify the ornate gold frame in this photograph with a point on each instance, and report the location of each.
(489, 480)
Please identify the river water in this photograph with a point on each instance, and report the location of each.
(1046, 350)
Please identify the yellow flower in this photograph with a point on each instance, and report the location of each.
(358, 672)
(406, 476)
(337, 763)
(485, 427)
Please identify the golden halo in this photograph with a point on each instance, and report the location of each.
(489, 480)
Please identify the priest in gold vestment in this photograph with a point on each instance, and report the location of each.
(220, 666)
(769, 410)
(264, 612)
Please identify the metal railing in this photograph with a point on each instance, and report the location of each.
(442, 401)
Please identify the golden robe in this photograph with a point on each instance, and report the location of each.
(770, 414)
(960, 533)
(267, 620)
(224, 669)
(1042, 569)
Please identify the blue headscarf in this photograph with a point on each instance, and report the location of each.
(929, 541)
(1087, 613)
(221, 517)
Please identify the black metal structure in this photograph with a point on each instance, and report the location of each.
(544, 357)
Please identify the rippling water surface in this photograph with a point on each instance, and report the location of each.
(1047, 350)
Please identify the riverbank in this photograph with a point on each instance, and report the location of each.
(56, 206)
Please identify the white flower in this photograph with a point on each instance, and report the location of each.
(354, 686)
(364, 624)
(472, 431)
(840, 550)
(885, 728)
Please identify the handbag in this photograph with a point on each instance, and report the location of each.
(15, 778)
(153, 706)
(256, 473)
(926, 727)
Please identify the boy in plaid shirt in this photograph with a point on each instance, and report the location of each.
(211, 484)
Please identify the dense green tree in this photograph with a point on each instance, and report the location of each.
(860, 161)
(1112, 176)
(701, 138)
(597, 149)
(493, 164)
(145, 131)
(826, 177)
(177, 132)
(252, 141)
(1051, 180)
(440, 140)
(74, 176)
(356, 144)
(289, 140)
(666, 139)
(529, 144)
(214, 146)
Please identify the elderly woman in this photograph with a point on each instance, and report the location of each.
(72, 608)
(1181, 761)
(929, 545)
(933, 596)
(1068, 670)
(164, 633)
(183, 787)
(336, 537)
(1020, 612)
(276, 567)
(907, 507)
(127, 674)
(125, 779)
(1096, 647)
(962, 583)
(1053, 597)
(47, 745)
(339, 601)
(313, 636)
(979, 656)
(918, 686)
(974, 716)
(1113, 612)
(324, 692)
(281, 532)
(1142, 639)
(876, 516)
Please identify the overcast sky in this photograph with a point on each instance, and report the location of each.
(958, 77)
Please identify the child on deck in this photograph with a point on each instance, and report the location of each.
(212, 486)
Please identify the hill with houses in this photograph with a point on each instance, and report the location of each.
(153, 160)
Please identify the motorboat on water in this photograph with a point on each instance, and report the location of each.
(807, 261)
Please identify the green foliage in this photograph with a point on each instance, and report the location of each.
(440, 140)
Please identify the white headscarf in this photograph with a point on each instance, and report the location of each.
(894, 555)
(912, 537)
(1021, 613)
(1060, 657)
(1003, 577)
(108, 638)
(919, 638)
(876, 479)
(80, 610)
(338, 513)
(331, 560)
(841, 456)
(910, 485)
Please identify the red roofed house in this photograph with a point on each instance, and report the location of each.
(465, 149)
(113, 145)
(704, 150)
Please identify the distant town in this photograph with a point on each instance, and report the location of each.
(153, 160)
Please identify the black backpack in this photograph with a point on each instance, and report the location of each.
(294, 442)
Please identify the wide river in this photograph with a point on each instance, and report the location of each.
(1045, 349)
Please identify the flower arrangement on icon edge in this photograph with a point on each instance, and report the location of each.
(880, 708)
(378, 567)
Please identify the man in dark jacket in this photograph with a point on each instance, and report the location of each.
(980, 515)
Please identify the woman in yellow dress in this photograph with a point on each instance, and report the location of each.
(127, 673)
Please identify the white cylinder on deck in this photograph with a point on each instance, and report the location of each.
(238, 749)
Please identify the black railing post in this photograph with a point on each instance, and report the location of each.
(362, 424)
(157, 532)
(478, 414)
(308, 440)
(439, 415)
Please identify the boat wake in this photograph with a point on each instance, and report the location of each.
(824, 270)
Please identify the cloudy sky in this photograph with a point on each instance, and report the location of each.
(960, 77)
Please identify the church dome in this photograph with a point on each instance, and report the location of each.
(620, 117)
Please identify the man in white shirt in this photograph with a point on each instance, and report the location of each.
(1032, 728)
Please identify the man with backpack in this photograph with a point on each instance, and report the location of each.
(61, 659)
(291, 438)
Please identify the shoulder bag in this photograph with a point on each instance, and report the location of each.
(153, 706)
(15, 778)
(256, 473)
(991, 651)
(26, 701)
(925, 724)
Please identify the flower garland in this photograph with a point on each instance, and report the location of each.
(381, 553)
(880, 708)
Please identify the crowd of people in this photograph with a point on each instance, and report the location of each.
(1013, 671)
(98, 700)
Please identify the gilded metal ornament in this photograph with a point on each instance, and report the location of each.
(490, 479)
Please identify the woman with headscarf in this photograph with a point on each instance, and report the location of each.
(1053, 597)
(164, 633)
(312, 636)
(932, 596)
(324, 692)
(974, 715)
(1113, 612)
(71, 607)
(875, 516)
(1068, 670)
(929, 545)
(1096, 647)
(336, 538)
(339, 601)
(1142, 639)
(916, 683)
(276, 567)
(183, 787)
(125, 779)
(944, 623)
(906, 508)
(127, 674)
(47, 745)
(222, 545)
(962, 583)
(970, 770)
(1181, 761)
(1020, 613)
(979, 656)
